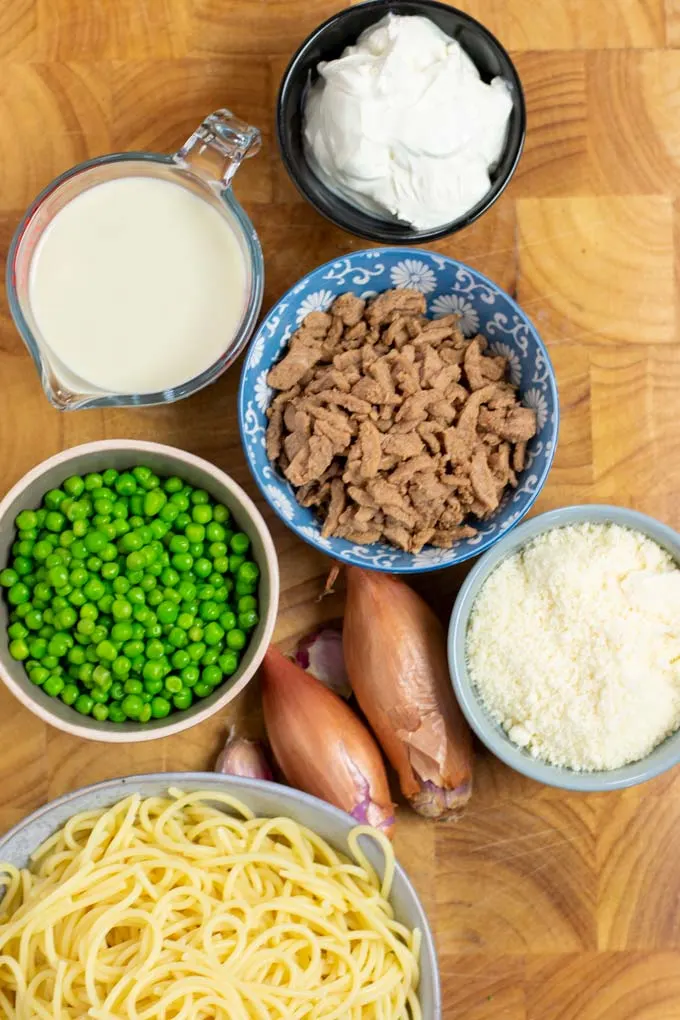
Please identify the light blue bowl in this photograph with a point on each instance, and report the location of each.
(449, 286)
(663, 757)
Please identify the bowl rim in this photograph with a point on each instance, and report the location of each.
(289, 795)
(469, 553)
(185, 720)
(488, 731)
(374, 231)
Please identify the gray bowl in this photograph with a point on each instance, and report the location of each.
(166, 460)
(663, 757)
(265, 799)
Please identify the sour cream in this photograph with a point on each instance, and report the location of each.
(402, 124)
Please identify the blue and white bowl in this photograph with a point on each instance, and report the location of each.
(448, 286)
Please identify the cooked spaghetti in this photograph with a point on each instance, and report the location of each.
(168, 908)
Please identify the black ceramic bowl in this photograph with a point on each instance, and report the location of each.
(328, 42)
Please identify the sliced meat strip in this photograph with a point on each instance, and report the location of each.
(371, 449)
(483, 482)
(404, 300)
(335, 507)
(349, 308)
(294, 365)
(275, 434)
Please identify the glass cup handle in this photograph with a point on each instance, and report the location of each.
(218, 146)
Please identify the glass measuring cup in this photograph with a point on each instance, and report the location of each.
(205, 165)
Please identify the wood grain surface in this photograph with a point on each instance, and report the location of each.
(546, 905)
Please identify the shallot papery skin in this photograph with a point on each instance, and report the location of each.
(395, 653)
(241, 757)
(321, 655)
(321, 746)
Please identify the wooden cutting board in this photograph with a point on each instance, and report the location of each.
(546, 905)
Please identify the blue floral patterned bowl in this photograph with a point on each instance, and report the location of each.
(448, 286)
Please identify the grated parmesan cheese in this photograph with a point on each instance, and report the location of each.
(574, 646)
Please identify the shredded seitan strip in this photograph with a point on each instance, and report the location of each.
(395, 427)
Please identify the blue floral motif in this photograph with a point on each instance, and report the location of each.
(448, 286)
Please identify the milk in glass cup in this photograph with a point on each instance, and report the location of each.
(137, 278)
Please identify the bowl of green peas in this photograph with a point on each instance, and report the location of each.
(139, 589)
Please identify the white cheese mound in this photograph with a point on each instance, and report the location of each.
(574, 646)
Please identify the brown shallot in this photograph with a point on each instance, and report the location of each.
(321, 655)
(241, 757)
(395, 653)
(320, 744)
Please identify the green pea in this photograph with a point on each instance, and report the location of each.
(125, 484)
(245, 604)
(54, 685)
(130, 542)
(55, 521)
(136, 596)
(116, 713)
(120, 585)
(160, 707)
(211, 655)
(182, 561)
(53, 499)
(228, 662)
(8, 577)
(182, 699)
(202, 513)
(117, 690)
(67, 618)
(37, 646)
(202, 690)
(173, 684)
(121, 610)
(84, 704)
(153, 670)
(190, 675)
(155, 649)
(236, 640)
(69, 694)
(153, 685)
(154, 501)
(18, 649)
(228, 620)
(33, 619)
(93, 481)
(248, 572)
(221, 513)
(169, 513)
(178, 637)
(167, 612)
(179, 544)
(18, 630)
(110, 571)
(209, 610)
(202, 567)
(239, 543)
(100, 712)
(181, 521)
(205, 592)
(196, 650)
(180, 658)
(211, 675)
(180, 501)
(132, 706)
(213, 634)
(94, 589)
(136, 560)
(214, 531)
(94, 541)
(133, 686)
(18, 594)
(221, 564)
(120, 666)
(248, 620)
